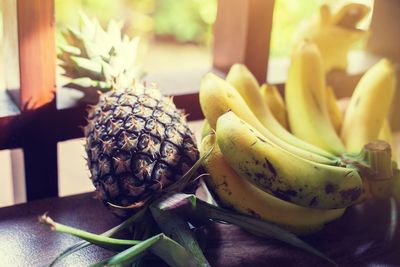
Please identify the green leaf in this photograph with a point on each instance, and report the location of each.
(176, 227)
(184, 204)
(167, 249)
(99, 240)
(92, 68)
(69, 49)
(82, 244)
(87, 82)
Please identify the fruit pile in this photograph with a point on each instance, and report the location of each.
(142, 156)
(299, 162)
(276, 167)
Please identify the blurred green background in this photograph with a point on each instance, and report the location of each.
(184, 21)
(180, 21)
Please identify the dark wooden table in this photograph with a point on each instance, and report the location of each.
(357, 239)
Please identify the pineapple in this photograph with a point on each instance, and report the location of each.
(137, 141)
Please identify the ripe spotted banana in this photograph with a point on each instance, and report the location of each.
(217, 97)
(276, 104)
(281, 173)
(246, 84)
(239, 194)
(369, 106)
(306, 100)
(335, 33)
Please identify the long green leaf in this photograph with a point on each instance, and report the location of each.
(254, 225)
(179, 229)
(167, 249)
(99, 240)
(82, 244)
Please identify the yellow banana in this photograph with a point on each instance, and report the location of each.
(246, 84)
(349, 15)
(274, 101)
(335, 114)
(239, 194)
(286, 176)
(217, 97)
(334, 33)
(369, 106)
(306, 100)
(385, 134)
(206, 129)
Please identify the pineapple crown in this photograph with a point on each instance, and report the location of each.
(97, 59)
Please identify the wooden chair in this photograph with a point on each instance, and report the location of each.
(35, 116)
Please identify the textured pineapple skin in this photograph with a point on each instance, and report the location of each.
(137, 143)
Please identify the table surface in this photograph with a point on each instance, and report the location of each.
(357, 239)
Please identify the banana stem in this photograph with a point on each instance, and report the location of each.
(378, 155)
(374, 162)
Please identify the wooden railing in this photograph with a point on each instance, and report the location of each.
(35, 116)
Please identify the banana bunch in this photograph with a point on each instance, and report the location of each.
(303, 178)
(299, 162)
(249, 164)
(334, 31)
(244, 197)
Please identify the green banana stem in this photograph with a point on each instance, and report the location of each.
(378, 156)
(374, 162)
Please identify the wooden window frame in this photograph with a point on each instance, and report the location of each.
(31, 120)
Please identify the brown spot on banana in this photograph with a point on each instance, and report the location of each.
(270, 166)
(284, 194)
(313, 202)
(351, 194)
(330, 188)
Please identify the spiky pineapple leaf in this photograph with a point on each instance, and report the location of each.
(100, 55)
(87, 67)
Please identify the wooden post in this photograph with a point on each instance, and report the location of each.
(37, 61)
(242, 33)
(384, 40)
